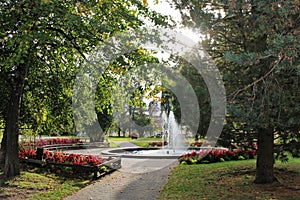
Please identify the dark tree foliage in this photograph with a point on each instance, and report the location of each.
(255, 45)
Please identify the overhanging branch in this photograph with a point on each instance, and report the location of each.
(69, 38)
(234, 94)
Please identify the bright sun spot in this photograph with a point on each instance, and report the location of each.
(165, 8)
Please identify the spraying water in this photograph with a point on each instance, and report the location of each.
(175, 139)
(164, 124)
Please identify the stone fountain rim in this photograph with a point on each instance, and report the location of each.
(117, 152)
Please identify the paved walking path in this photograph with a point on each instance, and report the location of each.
(138, 179)
(125, 144)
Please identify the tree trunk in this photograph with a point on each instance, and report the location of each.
(3, 148)
(119, 132)
(265, 157)
(11, 167)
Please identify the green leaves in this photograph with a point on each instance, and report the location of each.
(245, 59)
(53, 37)
(256, 46)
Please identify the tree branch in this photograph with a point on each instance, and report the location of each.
(234, 94)
(69, 38)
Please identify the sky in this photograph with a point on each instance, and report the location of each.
(165, 8)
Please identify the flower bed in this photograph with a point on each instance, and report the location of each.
(61, 157)
(244, 145)
(216, 155)
(203, 143)
(62, 143)
(58, 141)
(157, 144)
(92, 163)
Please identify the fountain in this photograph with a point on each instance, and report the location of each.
(175, 139)
(164, 123)
(176, 144)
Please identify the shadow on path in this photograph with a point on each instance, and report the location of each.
(138, 179)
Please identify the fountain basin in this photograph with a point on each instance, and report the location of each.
(152, 153)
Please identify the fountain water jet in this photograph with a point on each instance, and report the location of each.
(164, 122)
(175, 139)
(176, 143)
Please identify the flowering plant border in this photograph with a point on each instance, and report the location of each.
(157, 143)
(58, 141)
(61, 157)
(92, 163)
(216, 155)
(201, 143)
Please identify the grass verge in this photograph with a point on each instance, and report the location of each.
(231, 180)
(40, 183)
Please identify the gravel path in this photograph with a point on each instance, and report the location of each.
(138, 179)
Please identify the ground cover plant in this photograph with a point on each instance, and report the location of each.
(232, 180)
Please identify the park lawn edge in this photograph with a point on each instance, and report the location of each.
(231, 180)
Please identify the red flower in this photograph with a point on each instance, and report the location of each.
(54, 141)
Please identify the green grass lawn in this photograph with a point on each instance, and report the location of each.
(224, 180)
(128, 139)
(38, 183)
(142, 142)
(118, 139)
(231, 180)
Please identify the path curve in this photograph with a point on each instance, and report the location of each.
(138, 179)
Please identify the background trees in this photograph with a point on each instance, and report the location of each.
(255, 44)
(43, 44)
(196, 82)
(122, 89)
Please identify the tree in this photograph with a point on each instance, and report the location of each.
(202, 93)
(256, 46)
(133, 84)
(46, 104)
(45, 35)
